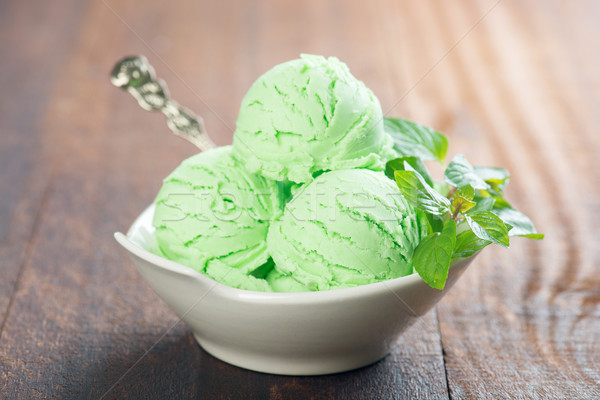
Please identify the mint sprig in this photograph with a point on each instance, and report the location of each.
(465, 213)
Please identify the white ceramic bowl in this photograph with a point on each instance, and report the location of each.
(308, 333)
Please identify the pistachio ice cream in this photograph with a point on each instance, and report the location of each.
(309, 115)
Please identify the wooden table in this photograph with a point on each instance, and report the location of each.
(513, 83)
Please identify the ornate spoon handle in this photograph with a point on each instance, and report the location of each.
(137, 76)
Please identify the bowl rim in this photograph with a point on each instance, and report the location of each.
(393, 285)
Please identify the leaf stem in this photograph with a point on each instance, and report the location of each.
(451, 192)
(455, 214)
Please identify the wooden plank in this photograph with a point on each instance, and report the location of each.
(524, 323)
(518, 88)
(81, 315)
(31, 61)
(177, 368)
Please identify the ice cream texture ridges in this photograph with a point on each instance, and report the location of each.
(309, 134)
(309, 115)
(346, 228)
(213, 216)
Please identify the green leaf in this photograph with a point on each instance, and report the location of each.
(488, 226)
(522, 225)
(461, 204)
(413, 139)
(536, 236)
(500, 202)
(497, 178)
(460, 173)
(440, 187)
(466, 191)
(467, 244)
(462, 200)
(419, 194)
(436, 222)
(398, 164)
(424, 226)
(483, 204)
(433, 255)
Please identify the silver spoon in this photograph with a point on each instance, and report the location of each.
(137, 76)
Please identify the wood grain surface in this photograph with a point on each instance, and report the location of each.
(511, 83)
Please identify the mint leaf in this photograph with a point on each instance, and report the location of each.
(488, 226)
(460, 173)
(500, 202)
(440, 187)
(424, 226)
(398, 164)
(466, 191)
(462, 200)
(467, 244)
(412, 139)
(436, 222)
(536, 236)
(419, 194)
(461, 204)
(521, 224)
(483, 203)
(497, 178)
(433, 255)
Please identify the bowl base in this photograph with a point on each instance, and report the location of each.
(284, 365)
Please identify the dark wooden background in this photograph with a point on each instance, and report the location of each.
(513, 83)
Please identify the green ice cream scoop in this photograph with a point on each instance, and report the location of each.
(212, 215)
(309, 115)
(345, 228)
